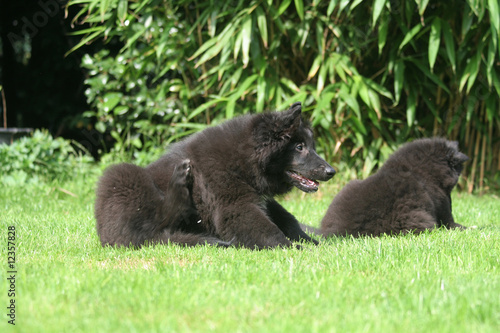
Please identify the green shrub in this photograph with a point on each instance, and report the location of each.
(371, 74)
(40, 157)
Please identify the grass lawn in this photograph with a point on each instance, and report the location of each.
(442, 281)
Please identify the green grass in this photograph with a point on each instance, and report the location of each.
(442, 281)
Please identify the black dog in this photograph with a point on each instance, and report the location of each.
(215, 187)
(410, 192)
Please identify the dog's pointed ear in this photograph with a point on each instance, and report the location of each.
(296, 109)
(453, 144)
(457, 156)
(291, 121)
(461, 157)
(272, 131)
(279, 126)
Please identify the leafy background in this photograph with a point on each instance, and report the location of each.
(370, 74)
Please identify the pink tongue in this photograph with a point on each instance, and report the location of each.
(303, 180)
(312, 182)
(309, 182)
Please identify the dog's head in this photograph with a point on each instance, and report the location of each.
(286, 151)
(434, 160)
(454, 159)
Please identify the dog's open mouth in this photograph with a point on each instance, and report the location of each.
(302, 183)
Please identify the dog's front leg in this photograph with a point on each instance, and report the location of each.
(247, 224)
(287, 223)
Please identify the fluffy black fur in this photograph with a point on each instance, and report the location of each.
(410, 192)
(215, 187)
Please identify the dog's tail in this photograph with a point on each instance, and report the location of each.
(310, 230)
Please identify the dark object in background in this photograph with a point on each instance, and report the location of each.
(8, 135)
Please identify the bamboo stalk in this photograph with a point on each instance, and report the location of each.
(476, 154)
(498, 156)
(474, 164)
(491, 153)
(467, 132)
(483, 157)
(497, 149)
(4, 108)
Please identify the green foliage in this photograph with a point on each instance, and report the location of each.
(370, 74)
(445, 280)
(40, 156)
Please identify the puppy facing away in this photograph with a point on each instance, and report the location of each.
(215, 187)
(410, 192)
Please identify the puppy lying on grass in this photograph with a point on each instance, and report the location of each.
(410, 192)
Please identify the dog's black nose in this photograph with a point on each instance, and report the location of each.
(329, 171)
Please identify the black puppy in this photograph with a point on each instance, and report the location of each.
(215, 187)
(410, 192)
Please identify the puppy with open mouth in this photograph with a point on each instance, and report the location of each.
(215, 187)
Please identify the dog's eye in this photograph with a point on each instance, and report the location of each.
(299, 147)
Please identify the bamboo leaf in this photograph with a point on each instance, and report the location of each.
(411, 108)
(362, 89)
(246, 34)
(212, 23)
(433, 77)
(350, 101)
(470, 72)
(496, 82)
(491, 108)
(261, 93)
(121, 10)
(358, 125)
(86, 39)
(314, 67)
(375, 103)
(337, 63)
(467, 19)
(220, 42)
(299, 6)
(383, 28)
(283, 6)
(289, 84)
(245, 85)
(321, 78)
(353, 4)
(378, 5)
(381, 90)
(104, 4)
(422, 5)
(475, 6)
(490, 60)
(205, 106)
(208, 44)
(494, 12)
(230, 108)
(111, 100)
(476, 64)
(399, 72)
(409, 35)
(86, 31)
(343, 4)
(449, 43)
(331, 7)
(434, 41)
(134, 38)
(262, 24)
(237, 45)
